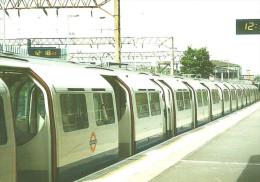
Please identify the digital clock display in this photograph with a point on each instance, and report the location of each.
(248, 26)
(48, 52)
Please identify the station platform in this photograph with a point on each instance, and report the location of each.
(226, 150)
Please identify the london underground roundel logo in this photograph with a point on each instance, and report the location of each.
(93, 142)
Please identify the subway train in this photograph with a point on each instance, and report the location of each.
(61, 120)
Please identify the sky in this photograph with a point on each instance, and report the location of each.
(196, 23)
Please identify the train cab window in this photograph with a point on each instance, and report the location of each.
(3, 134)
(226, 95)
(142, 105)
(104, 110)
(186, 96)
(205, 97)
(74, 112)
(199, 98)
(180, 102)
(155, 104)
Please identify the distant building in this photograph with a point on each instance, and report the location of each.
(225, 70)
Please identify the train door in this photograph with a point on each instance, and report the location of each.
(172, 111)
(210, 101)
(7, 139)
(32, 126)
(167, 109)
(125, 116)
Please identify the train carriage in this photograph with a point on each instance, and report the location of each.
(224, 97)
(202, 108)
(184, 114)
(215, 102)
(86, 113)
(169, 105)
(82, 111)
(233, 97)
(238, 92)
(254, 95)
(248, 94)
(244, 95)
(147, 110)
(60, 120)
(140, 110)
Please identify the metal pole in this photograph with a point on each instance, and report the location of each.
(3, 5)
(68, 22)
(172, 60)
(117, 31)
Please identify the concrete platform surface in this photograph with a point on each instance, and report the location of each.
(233, 156)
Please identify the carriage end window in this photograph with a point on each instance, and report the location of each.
(74, 112)
(104, 109)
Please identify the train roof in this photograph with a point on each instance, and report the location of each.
(60, 75)
(211, 85)
(196, 84)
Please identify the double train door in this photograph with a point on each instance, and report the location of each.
(27, 108)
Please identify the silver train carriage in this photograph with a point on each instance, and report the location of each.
(60, 121)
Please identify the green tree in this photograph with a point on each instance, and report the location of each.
(196, 61)
(257, 78)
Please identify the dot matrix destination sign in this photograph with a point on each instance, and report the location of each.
(247, 26)
(48, 52)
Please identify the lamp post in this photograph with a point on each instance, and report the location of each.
(68, 22)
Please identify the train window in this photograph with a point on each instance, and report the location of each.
(74, 112)
(3, 134)
(23, 101)
(40, 104)
(142, 105)
(155, 104)
(205, 97)
(180, 102)
(199, 98)
(104, 110)
(226, 95)
(187, 100)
